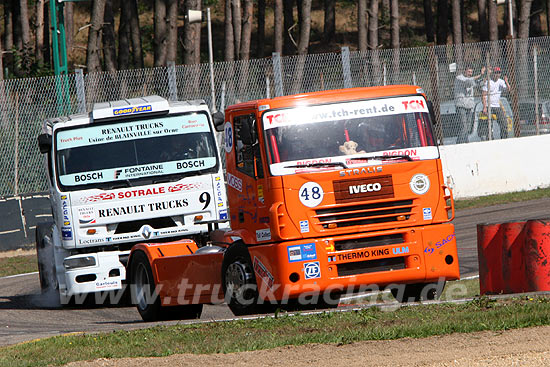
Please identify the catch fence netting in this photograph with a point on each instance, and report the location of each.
(26, 103)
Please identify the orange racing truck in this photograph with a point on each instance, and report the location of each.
(329, 192)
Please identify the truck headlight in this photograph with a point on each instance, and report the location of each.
(79, 262)
(420, 184)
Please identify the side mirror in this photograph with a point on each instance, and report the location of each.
(218, 118)
(45, 143)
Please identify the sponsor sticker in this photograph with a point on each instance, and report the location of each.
(431, 248)
(223, 214)
(228, 137)
(132, 110)
(420, 184)
(427, 213)
(312, 270)
(311, 194)
(263, 235)
(304, 226)
(303, 252)
(108, 284)
(235, 182)
(263, 273)
(66, 233)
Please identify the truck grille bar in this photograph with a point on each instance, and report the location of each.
(352, 215)
(371, 266)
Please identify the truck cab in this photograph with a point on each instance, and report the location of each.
(337, 190)
(127, 172)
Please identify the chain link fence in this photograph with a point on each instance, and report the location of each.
(25, 103)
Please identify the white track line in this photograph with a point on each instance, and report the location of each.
(18, 275)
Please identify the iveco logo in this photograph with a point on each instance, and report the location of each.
(146, 232)
(358, 189)
(361, 171)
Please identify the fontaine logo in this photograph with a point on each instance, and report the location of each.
(117, 173)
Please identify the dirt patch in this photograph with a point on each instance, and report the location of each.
(18, 252)
(525, 347)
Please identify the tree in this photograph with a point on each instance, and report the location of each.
(373, 41)
(482, 28)
(278, 31)
(160, 39)
(394, 17)
(172, 39)
(109, 50)
(124, 37)
(39, 32)
(260, 40)
(69, 22)
(288, 45)
(329, 28)
(429, 21)
(493, 21)
(524, 18)
(373, 25)
(442, 21)
(305, 27)
(395, 42)
(92, 54)
(535, 28)
(237, 26)
(248, 14)
(362, 25)
(135, 33)
(457, 24)
(229, 43)
(192, 36)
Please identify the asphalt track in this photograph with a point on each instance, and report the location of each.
(26, 315)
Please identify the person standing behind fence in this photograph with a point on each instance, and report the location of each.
(493, 88)
(464, 100)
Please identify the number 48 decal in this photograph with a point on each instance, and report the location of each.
(311, 194)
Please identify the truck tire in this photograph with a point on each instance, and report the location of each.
(147, 300)
(239, 282)
(417, 292)
(45, 258)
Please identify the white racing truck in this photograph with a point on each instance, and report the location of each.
(130, 171)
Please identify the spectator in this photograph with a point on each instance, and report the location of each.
(464, 100)
(492, 89)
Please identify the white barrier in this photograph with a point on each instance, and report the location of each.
(498, 166)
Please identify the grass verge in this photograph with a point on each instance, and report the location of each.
(512, 197)
(248, 335)
(17, 265)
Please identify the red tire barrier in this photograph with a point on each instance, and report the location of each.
(514, 257)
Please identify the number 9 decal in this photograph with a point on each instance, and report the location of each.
(205, 199)
(311, 194)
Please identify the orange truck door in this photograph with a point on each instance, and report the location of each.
(249, 183)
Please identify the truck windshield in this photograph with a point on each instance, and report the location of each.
(156, 149)
(344, 132)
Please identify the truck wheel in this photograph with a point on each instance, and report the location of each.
(238, 281)
(417, 292)
(145, 297)
(45, 257)
(142, 283)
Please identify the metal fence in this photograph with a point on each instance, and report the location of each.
(25, 103)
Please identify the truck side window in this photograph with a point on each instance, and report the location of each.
(247, 147)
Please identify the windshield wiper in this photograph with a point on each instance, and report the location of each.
(319, 164)
(383, 157)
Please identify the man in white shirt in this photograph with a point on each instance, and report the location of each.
(492, 89)
(464, 100)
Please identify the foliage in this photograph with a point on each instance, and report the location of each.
(249, 335)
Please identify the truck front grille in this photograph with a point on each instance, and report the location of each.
(384, 240)
(134, 226)
(371, 266)
(364, 214)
